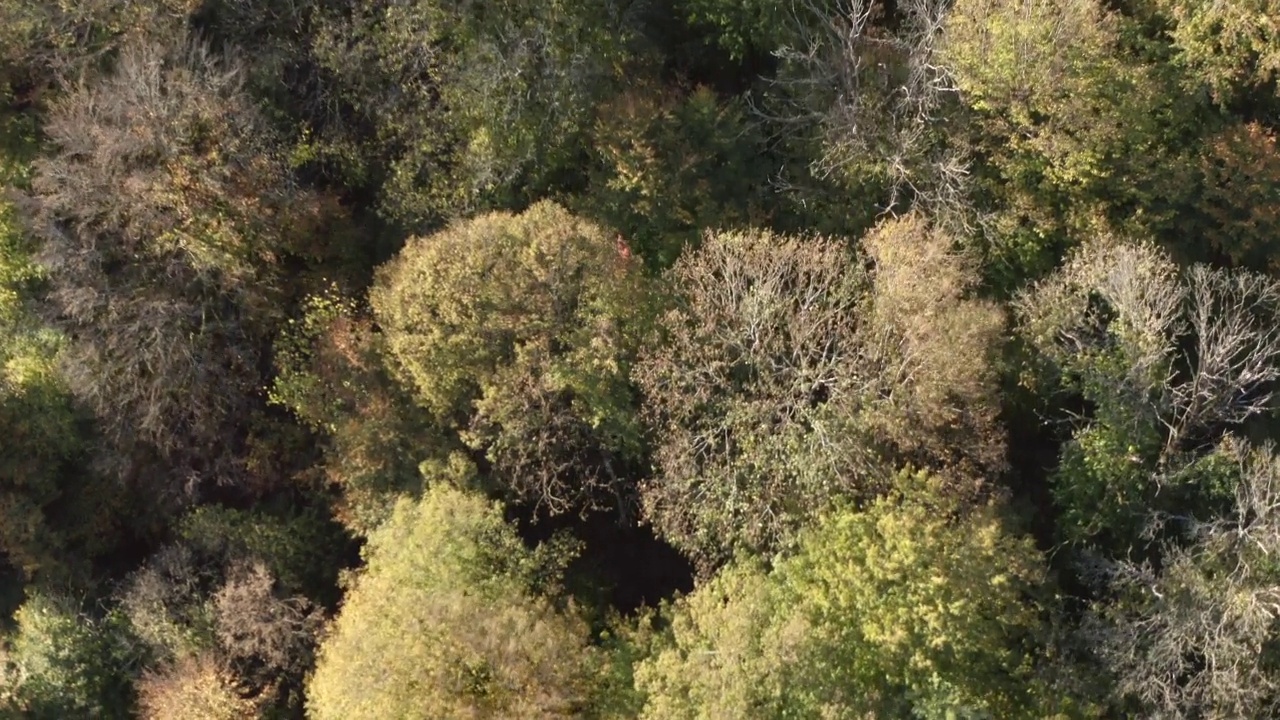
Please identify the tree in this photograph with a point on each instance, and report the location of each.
(449, 618)
(331, 373)
(64, 663)
(517, 332)
(55, 517)
(163, 210)
(913, 607)
(790, 376)
(1194, 634)
(1237, 196)
(672, 164)
(1232, 48)
(1072, 131)
(440, 108)
(195, 687)
(1166, 359)
(875, 89)
(267, 640)
(50, 42)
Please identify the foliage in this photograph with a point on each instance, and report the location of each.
(750, 260)
(1195, 636)
(1240, 169)
(442, 107)
(194, 687)
(52, 517)
(331, 374)
(790, 376)
(1073, 135)
(162, 213)
(912, 607)
(517, 332)
(1232, 48)
(1164, 357)
(674, 164)
(300, 548)
(47, 42)
(166, 604)
(447, 620)
(63, 663)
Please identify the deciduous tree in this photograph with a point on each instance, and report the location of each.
(1194, 634)
(517, 332)
(163, 210)
(449, 619)
(1166, 357)
(791, 374)
(913, 607)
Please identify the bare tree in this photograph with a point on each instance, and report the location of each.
(1196, 637)
(266, 638)
(793, 373)
(1117, 318)
(876, 95)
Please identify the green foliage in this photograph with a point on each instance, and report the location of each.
(52, 517)
(673, 166)
(331, 374)
(62, 663)
(1115, 325)
(446, 107)
(448, 619)
(517, 332)
(1231, 48)
(744, 27)
(1073, 135)
(301, 548)
(47, 42)
(913, 607)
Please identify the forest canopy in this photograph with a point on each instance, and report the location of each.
(639, 360)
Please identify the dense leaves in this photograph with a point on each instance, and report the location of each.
(517, 332)
(657, 359)
(482, 640)
(911, 608)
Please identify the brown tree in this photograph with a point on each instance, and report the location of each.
(792, 374)
(163, 211)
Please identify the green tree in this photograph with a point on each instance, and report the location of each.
(49, 42)
(63, 663)
(517, 332)
(1232, 48)
(449, 619)
(913, 607)
(672, 165)
(55, 516)
(441, 107)
(332, 374)
(1073, 132)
